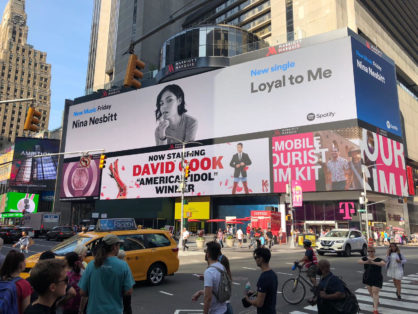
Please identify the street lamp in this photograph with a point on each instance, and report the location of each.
(182, 185)
(364, 194)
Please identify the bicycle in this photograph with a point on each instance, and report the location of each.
(293, 289)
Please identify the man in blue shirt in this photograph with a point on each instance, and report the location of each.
(106, 279)
(331, 289)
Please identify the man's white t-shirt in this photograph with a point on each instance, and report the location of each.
(212, 279)
(185, 235)
(240, 234)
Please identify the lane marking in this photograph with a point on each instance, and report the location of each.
(249, 268)
(382, 310)
(311, 308)
(278, 292)
(406, 286)
(388, 295)
(278, 272)
(402, 304)
(167, 293)
(236, 283)
(404, 291)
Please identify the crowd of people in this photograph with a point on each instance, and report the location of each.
(69, 285)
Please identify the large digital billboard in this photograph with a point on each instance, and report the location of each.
(38, 172)
(312, 85)
(6, 164)
(17, 204)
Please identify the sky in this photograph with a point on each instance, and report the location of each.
(61, 28)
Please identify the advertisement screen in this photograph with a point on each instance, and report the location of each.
(376, 90)
(6, 164)
(80, 182)
(38, 172)
(228, 168)
(301, 87)
(18, 204)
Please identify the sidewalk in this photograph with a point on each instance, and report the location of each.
(195, 255)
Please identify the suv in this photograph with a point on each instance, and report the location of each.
(151, 254)
(60, 233)
(342, 242)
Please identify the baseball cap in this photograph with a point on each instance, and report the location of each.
(111, 239)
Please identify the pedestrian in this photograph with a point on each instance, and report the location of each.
(262, 239)
(23, 243)
(13, 265)
(186, 236)
(267, 283)
(372, 276)
(220, 237)
(252, 238)
(81, 250)
(74, 305)
(127, 308)
(240, 237)
(270, 239)
(330, 288)
(217, 263)
(106, 279)
(49, 280)
(2, 257)
(310, 261)
(395, 262)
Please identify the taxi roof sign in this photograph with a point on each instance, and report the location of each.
(116, 224)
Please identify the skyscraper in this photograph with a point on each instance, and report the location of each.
(24, 74)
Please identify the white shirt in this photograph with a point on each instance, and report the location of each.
(212, 277)
(185, 235)
(337, 167)
(240, 234)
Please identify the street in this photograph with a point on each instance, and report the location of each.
(174, 295)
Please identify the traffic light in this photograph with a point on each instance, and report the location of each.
(32, 120)
(186, 171)
(102, 162)
(133, 73)
(288, 217)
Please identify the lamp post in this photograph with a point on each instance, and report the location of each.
(182, 185)
(292, 226)
(363, 167)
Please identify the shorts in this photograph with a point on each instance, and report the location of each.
(240, 240)
(312, 270)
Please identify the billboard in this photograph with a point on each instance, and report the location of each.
(17, 204)
(227, 168)
(80, 182)
(6, 164)
(298, 88)
(376, 90)
(39, 172)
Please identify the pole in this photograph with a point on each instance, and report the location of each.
(365, 205)
(292, 227)
(182, 196)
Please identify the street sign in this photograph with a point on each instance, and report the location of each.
(85, 161)
(369, 216)
(361, 210)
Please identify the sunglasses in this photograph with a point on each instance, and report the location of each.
(65, 280)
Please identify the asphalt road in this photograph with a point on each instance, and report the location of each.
(174, 295)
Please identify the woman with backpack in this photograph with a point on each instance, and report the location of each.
(395, 262)
(372, 276)
(13, 265)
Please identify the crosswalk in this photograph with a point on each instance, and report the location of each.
(388, 303)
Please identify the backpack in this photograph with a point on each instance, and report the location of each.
(8, 296)
(225, 286)
(348, 305)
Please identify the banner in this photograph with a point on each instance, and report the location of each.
(297, 195)
(17, 204)
(6, 164)
(237, 100)
(229, 168)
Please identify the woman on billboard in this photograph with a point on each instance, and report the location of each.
(173, 122)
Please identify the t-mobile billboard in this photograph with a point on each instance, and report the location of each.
(312, 85)
(228, 168)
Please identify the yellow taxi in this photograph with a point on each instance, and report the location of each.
(151, 254)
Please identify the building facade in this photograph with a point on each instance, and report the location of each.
(24, 74)
(101, 63)
(287, 25)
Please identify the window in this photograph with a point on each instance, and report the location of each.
(133, 242)
(157, 240)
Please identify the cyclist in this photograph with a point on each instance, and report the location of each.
(310, 262)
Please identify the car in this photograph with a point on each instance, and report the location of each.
(7, 233)
(151, 254)
(342, 242)
(60, 233)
